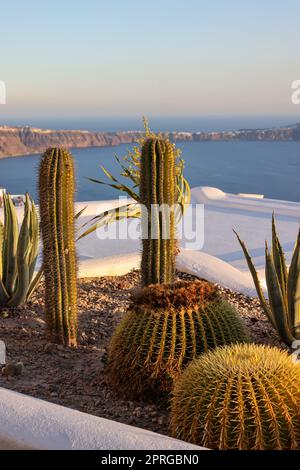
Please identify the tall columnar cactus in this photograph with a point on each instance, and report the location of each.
(283, 309)
(166, 327)
(243, 397)
(158, 196)
(18, 253)
(56, 187)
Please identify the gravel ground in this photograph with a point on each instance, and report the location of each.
(75, 378)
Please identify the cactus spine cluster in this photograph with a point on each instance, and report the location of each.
(158, 196)
(56, 188)
(243, 397)
(18, 253)
(283, 309)
(165, 328)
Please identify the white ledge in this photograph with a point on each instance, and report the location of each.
(29, 423)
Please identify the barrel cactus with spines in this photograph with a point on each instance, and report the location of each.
(166, 327)
(56, 188)
(158, 197)
(239, 397)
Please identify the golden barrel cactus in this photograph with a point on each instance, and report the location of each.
(243, 397)
(166, 327)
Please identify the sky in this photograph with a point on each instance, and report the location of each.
(161, 58)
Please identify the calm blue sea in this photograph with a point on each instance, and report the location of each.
(269, 168)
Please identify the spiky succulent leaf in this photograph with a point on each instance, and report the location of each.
(34, 236)
(293, 290)
(18, 252)
(128, 211)
(23, 259)
(35, 282)
(283, 288)
(277, 302)
(256, 281)
(11, 233)
(3, 292)
(279, 261)
(121, 187)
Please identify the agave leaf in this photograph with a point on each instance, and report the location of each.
(23, 258)
(263, 301)
(1, 248)
(183, 189)
(108, 174)
(126, 172)
(279, 261)
(112, 215)
(34, 236)
(130, 192)
(11, 233)
(133, 210)
(293, 290)
(183, 197)
(4, 297)
(119, 187)
(79, 214)
(276, 301)
(35, 283)
(94, 180)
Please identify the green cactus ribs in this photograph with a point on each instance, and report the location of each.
(158, 196)
(18, 253)
(166, 327)
(239, 397)
(56, 189)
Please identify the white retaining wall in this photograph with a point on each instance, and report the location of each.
(29, 423)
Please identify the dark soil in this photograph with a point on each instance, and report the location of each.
(76, 378)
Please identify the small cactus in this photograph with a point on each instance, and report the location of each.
(165, 328)
(158, 194)
(56, 185)
(244, 397)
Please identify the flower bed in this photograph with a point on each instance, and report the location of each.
(76, 378)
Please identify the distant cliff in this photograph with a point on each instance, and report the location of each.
(288, 133)
(16, 141)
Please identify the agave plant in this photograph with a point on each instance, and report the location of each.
(283, 309)
(18, 253)
(130, 170)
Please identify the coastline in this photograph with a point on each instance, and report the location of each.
(23, 141)
(38, 152)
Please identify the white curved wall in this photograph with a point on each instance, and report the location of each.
(29, 423)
